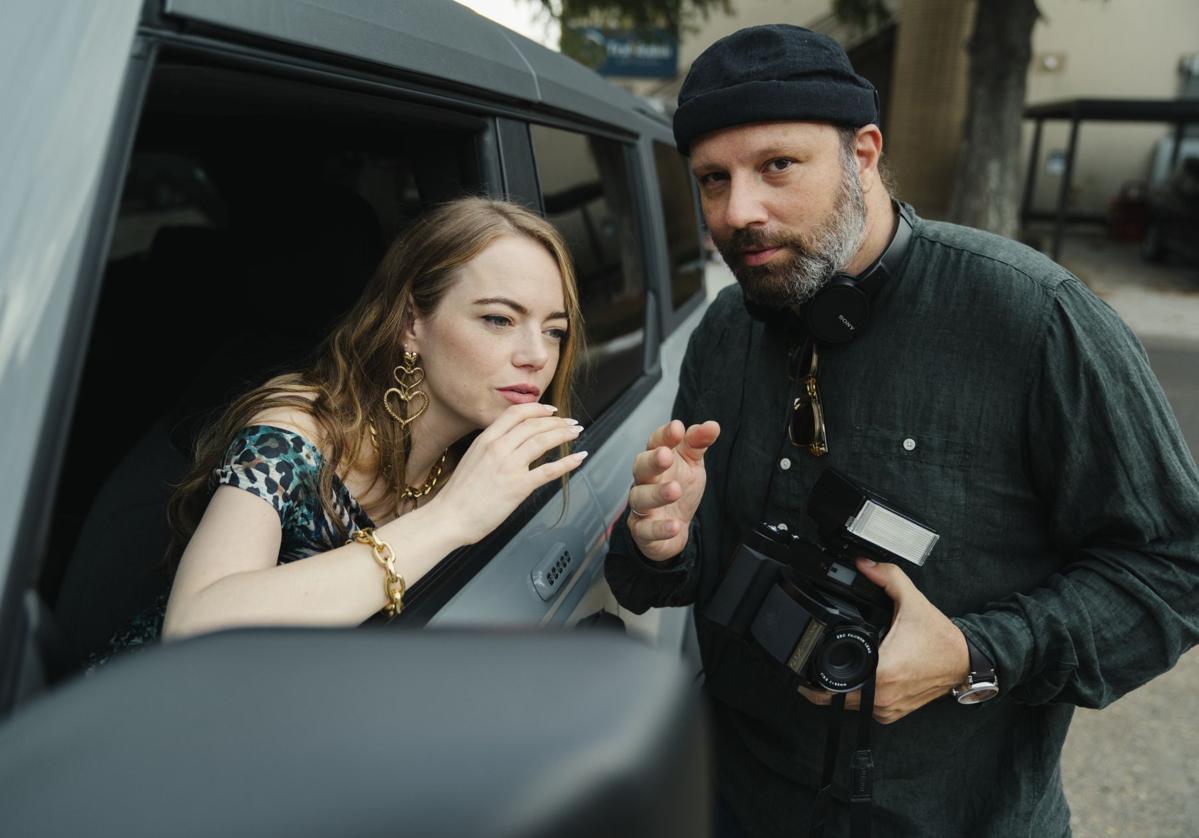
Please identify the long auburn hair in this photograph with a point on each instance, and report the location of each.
(342, 389)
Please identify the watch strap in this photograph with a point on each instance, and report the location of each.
(980, 664)
(982, 682)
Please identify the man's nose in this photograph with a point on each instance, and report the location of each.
(744, 206)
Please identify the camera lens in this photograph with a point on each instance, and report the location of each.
(846, 659)
(843, 657)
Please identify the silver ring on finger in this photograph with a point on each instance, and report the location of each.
(632, 508)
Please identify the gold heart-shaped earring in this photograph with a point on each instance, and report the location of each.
(408, 377)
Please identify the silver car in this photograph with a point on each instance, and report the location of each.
(192, 190)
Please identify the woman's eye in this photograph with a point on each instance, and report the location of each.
(779, 164)
(557, 334)
(710, 180)
(497, 320)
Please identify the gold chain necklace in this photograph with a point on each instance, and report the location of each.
(414, 492)
(430, 481)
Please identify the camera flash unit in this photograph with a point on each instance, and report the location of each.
(849, 512)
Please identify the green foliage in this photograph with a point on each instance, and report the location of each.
(862, 13)
(641, 16)
(583, 50)
(634, 15)
(674, 16)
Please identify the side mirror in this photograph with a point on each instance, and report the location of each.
(312, 732)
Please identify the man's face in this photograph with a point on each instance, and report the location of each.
(784, 203)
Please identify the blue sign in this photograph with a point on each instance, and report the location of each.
(648, 55)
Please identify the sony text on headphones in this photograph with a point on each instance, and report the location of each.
(841, 309)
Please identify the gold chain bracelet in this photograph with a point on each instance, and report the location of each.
(385, 557)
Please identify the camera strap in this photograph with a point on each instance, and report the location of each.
(861, 769)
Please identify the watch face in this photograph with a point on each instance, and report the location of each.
(978, 693)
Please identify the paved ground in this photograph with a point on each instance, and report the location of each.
(1132, 769)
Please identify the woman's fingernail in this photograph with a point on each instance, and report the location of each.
(571, 421)
(551, 408)
(580, 455)
(578, 429)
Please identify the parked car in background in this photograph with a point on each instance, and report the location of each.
(1172, 217)
(194, 190)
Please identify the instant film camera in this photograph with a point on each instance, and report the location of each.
(804, 602)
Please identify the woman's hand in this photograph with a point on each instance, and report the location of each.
(494, 474)
(668, 484)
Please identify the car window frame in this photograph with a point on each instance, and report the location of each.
(458, 113)
(674, 317)
(502, 173)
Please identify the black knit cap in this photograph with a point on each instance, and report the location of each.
(769, 73)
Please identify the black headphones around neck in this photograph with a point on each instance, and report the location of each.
(841, 309)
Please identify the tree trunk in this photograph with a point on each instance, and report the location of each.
(929, 92)
(986, 188)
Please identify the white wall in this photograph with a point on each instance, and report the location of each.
(1111, 49)
(1108, 49)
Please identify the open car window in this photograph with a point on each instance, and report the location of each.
(254, 209)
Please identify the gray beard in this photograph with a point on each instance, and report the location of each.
(811, 264)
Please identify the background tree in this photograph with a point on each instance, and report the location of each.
(986, 183)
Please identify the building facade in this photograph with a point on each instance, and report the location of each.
(1081, 49)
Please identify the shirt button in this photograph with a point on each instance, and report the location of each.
(909, 444)
(784, 464)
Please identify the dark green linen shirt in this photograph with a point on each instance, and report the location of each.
(996, 397)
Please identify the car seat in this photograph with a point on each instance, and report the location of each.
(265, 309)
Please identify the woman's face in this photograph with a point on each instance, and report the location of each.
(494, 339)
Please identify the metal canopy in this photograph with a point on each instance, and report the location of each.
(437, 39)
(1177, 112)
(1118, 110)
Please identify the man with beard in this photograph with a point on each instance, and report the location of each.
(988, 391)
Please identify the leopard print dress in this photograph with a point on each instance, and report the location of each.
(281, 467)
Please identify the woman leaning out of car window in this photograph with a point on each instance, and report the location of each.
(321, 495)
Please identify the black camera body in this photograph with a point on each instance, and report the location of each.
(809, 610)
(804, 602)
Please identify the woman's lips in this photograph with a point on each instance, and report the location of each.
(518, 396)
(759, 257)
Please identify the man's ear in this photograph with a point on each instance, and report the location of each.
(868, 149)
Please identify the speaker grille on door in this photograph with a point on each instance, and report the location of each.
(552, 571)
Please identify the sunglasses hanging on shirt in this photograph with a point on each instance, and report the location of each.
(838, 312)
(806, 427)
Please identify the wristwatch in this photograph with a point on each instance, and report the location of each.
(981, 683)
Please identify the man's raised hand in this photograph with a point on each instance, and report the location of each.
(668, 483)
